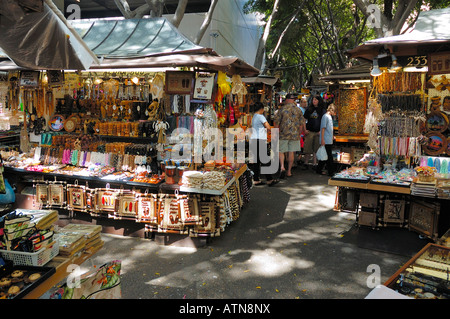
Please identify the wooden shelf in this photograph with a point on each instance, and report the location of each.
(371, 186)
(391, 281)
(389, 188)
(351, 138)
(350, 184)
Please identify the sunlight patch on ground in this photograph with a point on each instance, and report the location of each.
(270, 263)
(137, 249)
(260, 263)
(343, 217)
(185, 277)
(319, 202)
(300, 236)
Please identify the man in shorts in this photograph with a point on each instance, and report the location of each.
(291, 124)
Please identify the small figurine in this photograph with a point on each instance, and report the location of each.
(152, 110)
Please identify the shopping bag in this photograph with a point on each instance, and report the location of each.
(321, 154)
(103, 283)
(2, 181)
(2, 184)
(8, 197)
(16, 226)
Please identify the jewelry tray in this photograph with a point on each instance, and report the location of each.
(8, 268)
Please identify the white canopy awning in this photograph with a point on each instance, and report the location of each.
(126, 43)
(43, 40)
(432, 28)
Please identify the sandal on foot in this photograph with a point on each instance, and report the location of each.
(273, 182)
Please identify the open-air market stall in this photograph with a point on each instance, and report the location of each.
(424, 276)
(349, 89)
(404, 180)
(125, 140)
(262, 89)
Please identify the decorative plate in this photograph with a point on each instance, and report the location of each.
(437, 122)
(75, 118)
(57, 122)
(70, 125)
(448, 146)
(436, 144)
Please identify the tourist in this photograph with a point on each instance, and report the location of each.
(258, 144)
(326, 140)
(291, 124)
(313, 116)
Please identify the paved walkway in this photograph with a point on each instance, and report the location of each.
(287, 244)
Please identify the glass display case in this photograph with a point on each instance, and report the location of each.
(426, 275)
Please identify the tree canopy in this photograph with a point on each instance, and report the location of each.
(305, 37)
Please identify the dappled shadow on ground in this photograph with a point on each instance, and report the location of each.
(286, 244)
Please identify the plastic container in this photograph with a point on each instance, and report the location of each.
(39, 258)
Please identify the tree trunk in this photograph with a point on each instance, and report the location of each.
(403, 11)
(156, 7)
(179, 13)
(152, 7)
(285, 30)
(337, 47)
(206, 22)
(381, 20)
(262, 41)
(124, 8)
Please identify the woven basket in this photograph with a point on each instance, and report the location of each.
(425, 178)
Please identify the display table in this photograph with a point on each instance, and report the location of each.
(425, 276)
(61, 265)
(154, 208)
(388, 188)
(14, 173)
(350, 184)
(382, 205)
(367, 185)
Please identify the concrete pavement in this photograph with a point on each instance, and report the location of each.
(287, 244)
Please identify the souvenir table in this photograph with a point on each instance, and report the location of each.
(172, 206)
(61, 267)
(29, 272)
(359, 180)
(425, 276)
(376, 198)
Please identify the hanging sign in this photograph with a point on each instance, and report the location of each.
(55, 77)
(179, 82)
(439, 63)
(204, 86)
(29, 78)
(414, 61)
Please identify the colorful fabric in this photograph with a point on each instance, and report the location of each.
(104, 283)
(289, 120)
